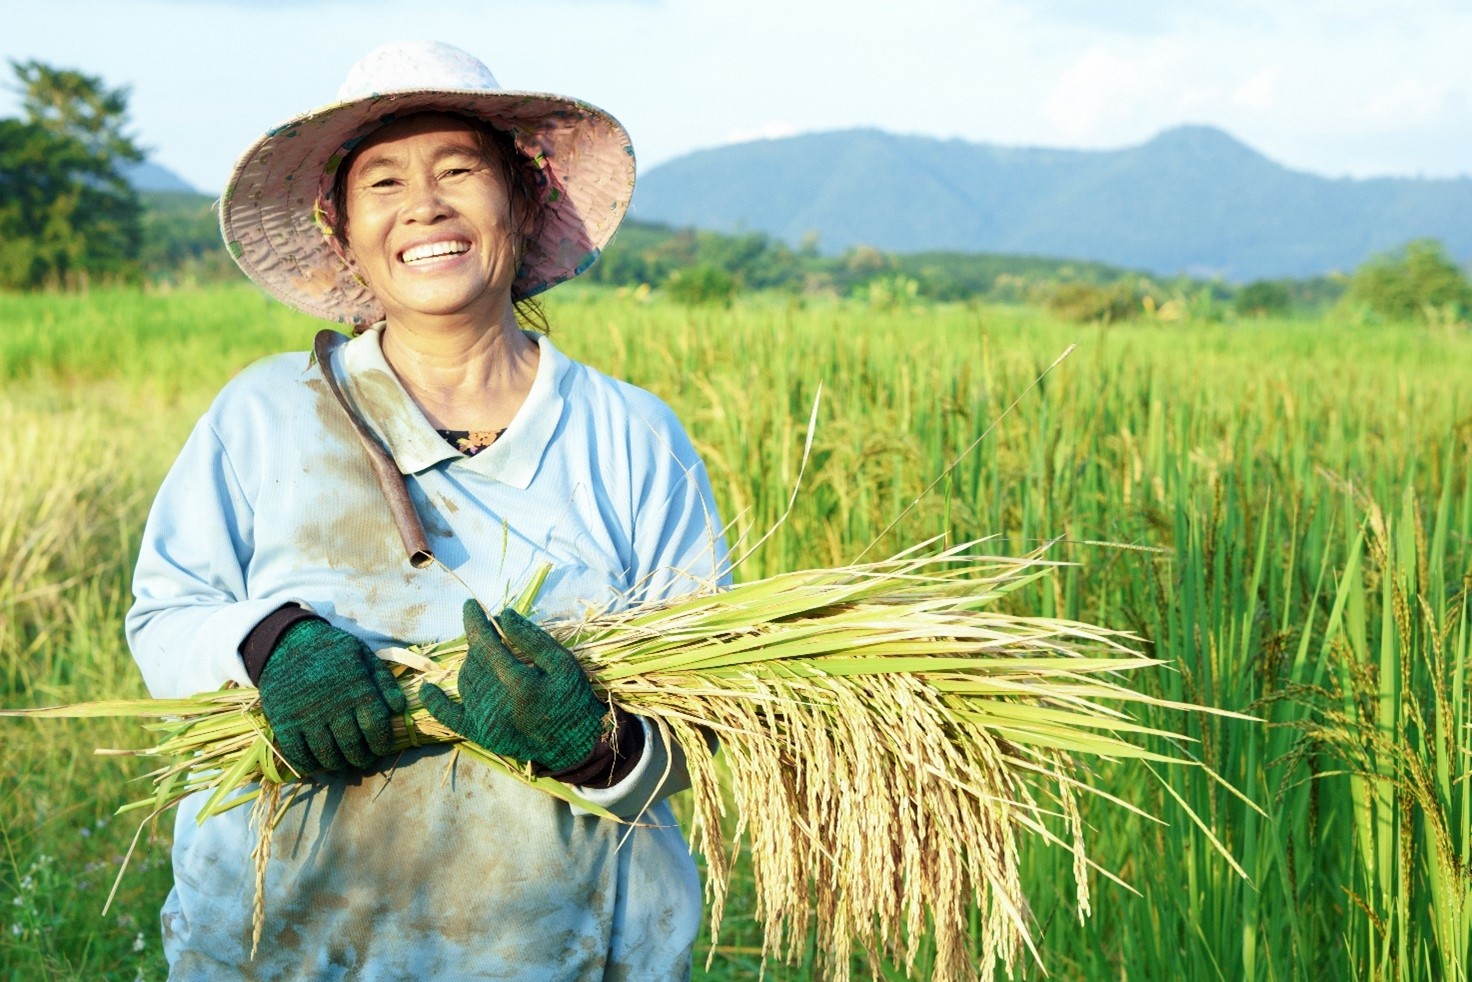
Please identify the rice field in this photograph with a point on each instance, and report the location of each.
(1280, 509)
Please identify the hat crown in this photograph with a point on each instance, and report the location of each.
(407, 65)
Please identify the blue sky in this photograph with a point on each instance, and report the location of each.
(1338, 87)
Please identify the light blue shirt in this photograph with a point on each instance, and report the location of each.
(432, 867)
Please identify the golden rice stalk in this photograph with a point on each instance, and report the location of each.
(891, 740)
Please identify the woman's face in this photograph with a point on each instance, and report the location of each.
(430, 223)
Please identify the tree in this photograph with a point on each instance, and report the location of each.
(67, 213)
(68, 103)
(1409, 283)
(1264, 298)
(701, 285)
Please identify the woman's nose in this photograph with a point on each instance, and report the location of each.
(426, 202)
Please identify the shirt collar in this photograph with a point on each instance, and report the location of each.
(382, 402)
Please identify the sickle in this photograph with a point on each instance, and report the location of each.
(390, 479)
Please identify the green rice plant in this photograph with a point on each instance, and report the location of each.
(891, 741)
(143, 340)
(1208, 449)
(1392, 713)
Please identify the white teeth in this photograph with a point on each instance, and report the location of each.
(431, 249)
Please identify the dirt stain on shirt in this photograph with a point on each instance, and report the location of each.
(350, 526)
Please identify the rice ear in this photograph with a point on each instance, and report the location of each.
(891, 742)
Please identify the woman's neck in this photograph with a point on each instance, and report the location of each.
(462, 376)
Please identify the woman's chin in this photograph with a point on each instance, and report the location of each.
(485, 309)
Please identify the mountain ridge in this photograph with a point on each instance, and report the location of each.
(149, 176)
(1192, 199)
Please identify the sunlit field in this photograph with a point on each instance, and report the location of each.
(1282, 510)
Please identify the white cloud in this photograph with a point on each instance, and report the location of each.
(1193, 100)
(1334, 86)
(1409, 100)
(1259, 92)
(1365, 97)
(1131, 16)
(774, 130)
(1094, 92)
(1140, 86)
(1112, 91)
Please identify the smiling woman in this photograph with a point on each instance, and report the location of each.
(437, 233)
(465, 155)
(430, 221)
(426, 206)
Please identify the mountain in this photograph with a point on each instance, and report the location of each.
(1192, 200)
(149, 176)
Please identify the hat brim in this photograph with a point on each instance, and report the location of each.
(266, 215)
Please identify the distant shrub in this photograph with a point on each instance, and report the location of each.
(1009, 288)
(890, 292)
(701, 285)
(1263, 298)
(1092, 302)
(865, 260)
(1412, 282)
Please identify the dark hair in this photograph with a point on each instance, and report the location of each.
(524, 181)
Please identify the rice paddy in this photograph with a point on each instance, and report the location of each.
(1282, 510)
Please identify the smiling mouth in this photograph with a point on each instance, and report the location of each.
(432, 250)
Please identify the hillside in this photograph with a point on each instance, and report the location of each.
(1193, 200)
(181, 237)
(148, 176)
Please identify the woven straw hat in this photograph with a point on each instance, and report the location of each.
(276, 213)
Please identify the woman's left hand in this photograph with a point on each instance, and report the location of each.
(525, 698)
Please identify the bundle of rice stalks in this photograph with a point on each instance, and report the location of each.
(891, 739)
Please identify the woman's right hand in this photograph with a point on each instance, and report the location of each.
(329, 701)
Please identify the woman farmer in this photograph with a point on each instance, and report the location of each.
(425, 207)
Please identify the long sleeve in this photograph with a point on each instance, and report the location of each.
(680, 548)
(191, 607)
(679, 542)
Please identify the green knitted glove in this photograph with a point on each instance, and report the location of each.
(330, 703)
(526, 697)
